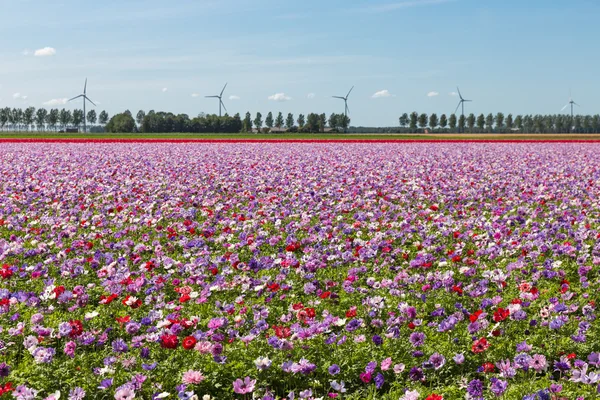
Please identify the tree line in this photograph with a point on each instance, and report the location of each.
(17, 119)
(499, 123)
(162, 122)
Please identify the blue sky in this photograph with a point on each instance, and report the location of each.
(514, 56)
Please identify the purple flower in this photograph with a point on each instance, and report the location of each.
(437, 360)
(475, 388)
(417, 339)
(377, 340)
(498, 387)
(416, 374)
(459, 358)
(119, 346)
(4, 369)
(334, 369)
(77, 394)
(379, 381)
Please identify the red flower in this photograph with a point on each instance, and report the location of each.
(5, 271)
(501, 314)
(76, 328)
(189, 342)
(434, 397)
(7, 388)
(184, 298)
(480, 345)
(411, 325)
(488, 367)
(169, 341)
(325, 295)
(311, 312)
(475, 316)
(351, 313)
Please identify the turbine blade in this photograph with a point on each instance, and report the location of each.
(563, 109)
(338, 97)
(459, 94)
(85, 86)
(212, 97)
(458, 106)
(88, 99)
(468, 100)
(76, 97)
(223, 104)
(350, 91)
(223, 89)
(347, 109)
(576, 104)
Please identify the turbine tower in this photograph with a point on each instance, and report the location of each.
(346, 109)
(570, 103)
(461, 103)
(220, 97)
(84, 96)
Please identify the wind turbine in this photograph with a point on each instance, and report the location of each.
(84, 96)
(220, 97)
(570, 103)
(346, 109)
(461, 103)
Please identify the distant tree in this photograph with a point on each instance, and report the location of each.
(279, 120)
(103, 118)
(235, 125)
(269, 120)
(480, 122)
(404, 120)
(139, 118)
(17, 118)
(289, 122)
(322, 122)
(92, 117)
(452, 122)
(28, 117)
(461, 123)
(247, 123)
(258, 121)
(423, 121)
(65, 118)
(414, 119)
(345, 121)
(334, 122)
(471, 122)
(577, 124)
(596, 123)
(433, 121)
(489, 122)
(77, 118)
(509, 122)
(301, 121)
(4, 116)
(52, 118)
(121, 123)
(499, 122)
(443, 121)
(40, 118)
(519, 122)
(312, 123)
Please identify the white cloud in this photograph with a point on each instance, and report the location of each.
(45, 52)
(57, 102)
(383, 93)
(234, 97)
(432, 94)
(164, 89)
(193, 94)
(311, 96)
(454, 94)
(26, 52)
(19, 96)
(279, 97)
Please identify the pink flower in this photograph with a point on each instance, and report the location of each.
(386, 364)
(192, 377)
(245, 386)
(124, 394)
(70, 349)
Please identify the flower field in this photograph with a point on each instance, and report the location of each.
(299, 271)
